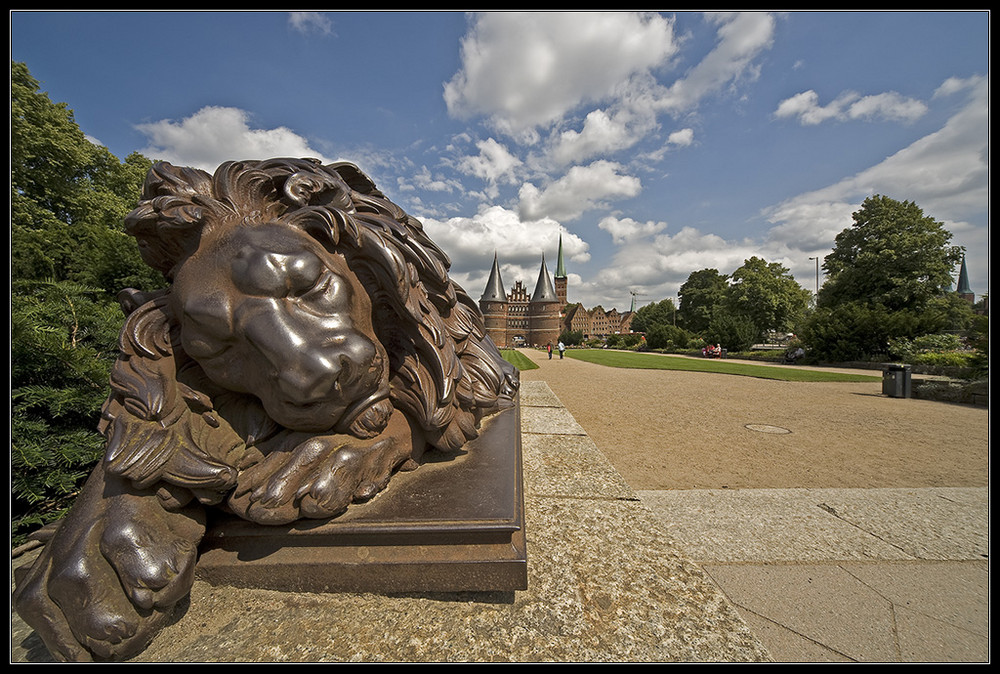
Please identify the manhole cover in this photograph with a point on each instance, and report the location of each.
(764, 428)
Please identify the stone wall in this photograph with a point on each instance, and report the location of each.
(953, 391)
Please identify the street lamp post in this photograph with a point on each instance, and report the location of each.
(817, 273)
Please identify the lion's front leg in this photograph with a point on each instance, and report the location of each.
(107, 580)
(321, 475)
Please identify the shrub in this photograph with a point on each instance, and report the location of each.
(667, 337)
(944, 358)
(905, 349)
(850, 331)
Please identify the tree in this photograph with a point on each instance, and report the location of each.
(893, 255)
(571, 337)
(70, 257)
(656, 313)
(699, 296)
(732, 332)
(63, 340)
(887, 279)
(69, 198)
(767, 295)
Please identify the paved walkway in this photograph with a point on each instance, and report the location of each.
(828, 575)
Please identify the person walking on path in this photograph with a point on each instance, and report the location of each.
(562, 348)
(550, 350)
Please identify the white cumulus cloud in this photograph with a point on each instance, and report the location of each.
(581, 189)
(494, 164)
(946, 173)
(310, 22)
(524, 70)
(217, 134)
(623, 230)
(889, 106)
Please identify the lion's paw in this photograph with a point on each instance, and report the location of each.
(153, 551)
(317, 479)
(107, 580)
(74, 598)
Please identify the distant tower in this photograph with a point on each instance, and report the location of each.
(494, 306)
(964, 289)
(543, 310)
(561, 279)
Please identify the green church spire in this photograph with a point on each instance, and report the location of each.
(963, 280)
(560, 265)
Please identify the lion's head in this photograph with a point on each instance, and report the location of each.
(301, 290)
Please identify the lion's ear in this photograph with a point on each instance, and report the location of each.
(325, 226)
(165, 179)
(355, 178)
(131, 299)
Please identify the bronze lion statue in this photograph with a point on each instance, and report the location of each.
(310, 344)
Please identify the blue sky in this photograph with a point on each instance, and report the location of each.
(655, 144)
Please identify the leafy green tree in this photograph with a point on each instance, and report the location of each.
(626, 341)
(667, 337)
(69, 259)
(699, 296)
(69, 198)
(767, 295)
(893, 255)
(863, 330)
(887, 280)
(978, 338)
(656, 313)
(732, 332)
(571, 337)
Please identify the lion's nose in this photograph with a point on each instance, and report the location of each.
(310, 378)
(313, 375)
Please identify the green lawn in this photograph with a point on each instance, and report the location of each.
(517, 359)
(650, 361)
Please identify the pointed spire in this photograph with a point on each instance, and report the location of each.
(544, 290)
(963, 280)
(494, 287)
(560, 265)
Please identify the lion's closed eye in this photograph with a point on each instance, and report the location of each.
(203, 347)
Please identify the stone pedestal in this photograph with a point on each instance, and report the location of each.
(454, 524)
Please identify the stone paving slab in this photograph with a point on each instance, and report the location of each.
(775, 525)
(845, 575)
(552, 468)
(858, 625)
(880, 611)
(549, 421)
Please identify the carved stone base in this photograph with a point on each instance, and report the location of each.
(454, 524)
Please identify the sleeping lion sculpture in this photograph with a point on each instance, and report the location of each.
(310, 344)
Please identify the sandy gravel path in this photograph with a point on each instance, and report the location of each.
(687, 430)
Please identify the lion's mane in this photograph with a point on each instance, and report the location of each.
(163, 420)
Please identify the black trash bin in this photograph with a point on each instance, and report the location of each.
(896, 381)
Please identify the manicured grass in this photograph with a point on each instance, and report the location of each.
(650, 361)
(517, 359)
